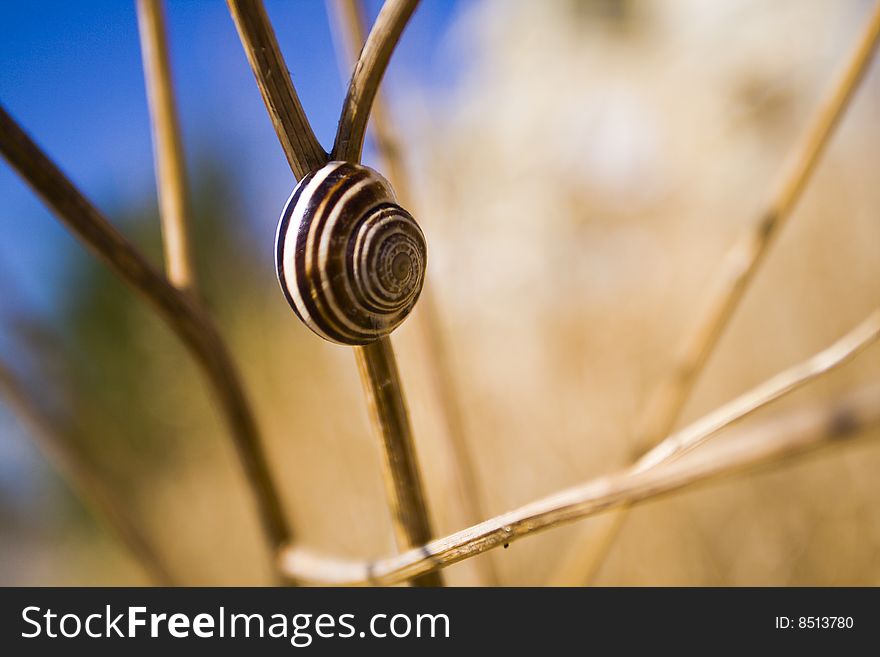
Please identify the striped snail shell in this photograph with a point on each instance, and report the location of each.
(351, 262)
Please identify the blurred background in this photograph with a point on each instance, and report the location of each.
(579, 168)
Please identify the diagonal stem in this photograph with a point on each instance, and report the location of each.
(737, 271)
(572, 566)
(63, 455)
(776, 443)
(300, 145)
(743, 262)
(183, 314)
(592, 496)
(787, 381)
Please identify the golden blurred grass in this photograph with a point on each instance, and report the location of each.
(578, 190)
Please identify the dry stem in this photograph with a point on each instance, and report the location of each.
(368, 73)
(783, 439)
(183, 314)
(742, 262)
(573, 565)
(839, 353)
(300, 145)
(403, 481)
(739, 268)
(167, 145)
(58, 448)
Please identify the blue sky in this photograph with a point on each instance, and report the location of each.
(70, 73)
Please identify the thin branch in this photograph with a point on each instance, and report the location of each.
(349, 24)
(739, 268)
(167, 145)
(303, 151)
(89, 485)
(774, 444)
(183, 314)
(743, 261)
(839, 353)
(403, 482)
(571, 568)
(368, 72)
(438, 362)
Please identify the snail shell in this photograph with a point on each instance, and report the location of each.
(351, 262)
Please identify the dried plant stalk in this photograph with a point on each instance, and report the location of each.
(171, 179)
(742, 263)
(739, 268)
(368, 73)
(349, 24)
(303, 151)
(89, 485)
(183, 314)
(572, 567)
(403, 481)
(776, 443)
(350, 27)
(839, 353)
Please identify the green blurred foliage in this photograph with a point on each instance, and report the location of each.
(128, 381)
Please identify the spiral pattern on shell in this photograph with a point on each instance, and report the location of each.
(351, 262)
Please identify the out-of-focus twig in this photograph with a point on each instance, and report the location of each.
(183, 314)
(839, 353)
(775, 443)
(743, 261)
(350, 28)
(737, 271)
(570, 569)
(368, 72)
(171, 179)
(301, 146)
(58, 448)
